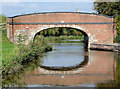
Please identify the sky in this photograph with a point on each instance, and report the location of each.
(17, 7)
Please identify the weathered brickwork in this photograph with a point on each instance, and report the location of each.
(99, 29)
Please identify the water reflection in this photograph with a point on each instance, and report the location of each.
(100, 67)
(56, 68)
(116, 82)
(65, 56)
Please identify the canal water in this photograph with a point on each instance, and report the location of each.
(70, 65)
(66, 54)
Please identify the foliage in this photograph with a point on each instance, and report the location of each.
(24, 53)
(53, 39)
(21, 41)
(117, 38)
(60, 31)
(18, 77)
(2, 19)
(118, 24)
(107, 8)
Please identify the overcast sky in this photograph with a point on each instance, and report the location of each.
(18, 7)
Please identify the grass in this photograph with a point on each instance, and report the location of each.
(8, 50)
(53, 38)
(7, 46)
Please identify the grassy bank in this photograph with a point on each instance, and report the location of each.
(13, 54)
(7, 46)
(59, 38)
(8, 51)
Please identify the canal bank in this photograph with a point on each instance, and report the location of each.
(106, 47)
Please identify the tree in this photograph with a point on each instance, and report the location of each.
(107, 8)
(2, 19)
(53, 32)
(64, 31)
(41, 33)
(45, 33)
(49, 32)
(117, 38)
(118, 24)
(57, 31)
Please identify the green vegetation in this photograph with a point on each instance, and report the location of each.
(17, 78)
(117, 38)
(60, 32)
(57, 34)
(107, 8)
(8, 49)
(23, 54)
(15, 54)
(3, 19)
(7, 46)
(54, 38)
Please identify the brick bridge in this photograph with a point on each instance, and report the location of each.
(97, 29)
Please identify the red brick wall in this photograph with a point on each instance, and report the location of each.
(98, 33)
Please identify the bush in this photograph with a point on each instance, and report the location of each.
(117, 38)
(25, 53)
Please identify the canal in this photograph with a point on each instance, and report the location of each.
(69, 64)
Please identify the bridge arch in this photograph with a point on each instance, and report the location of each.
(99, 29)
(86, 35)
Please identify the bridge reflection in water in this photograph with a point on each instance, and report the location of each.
(98, 68)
